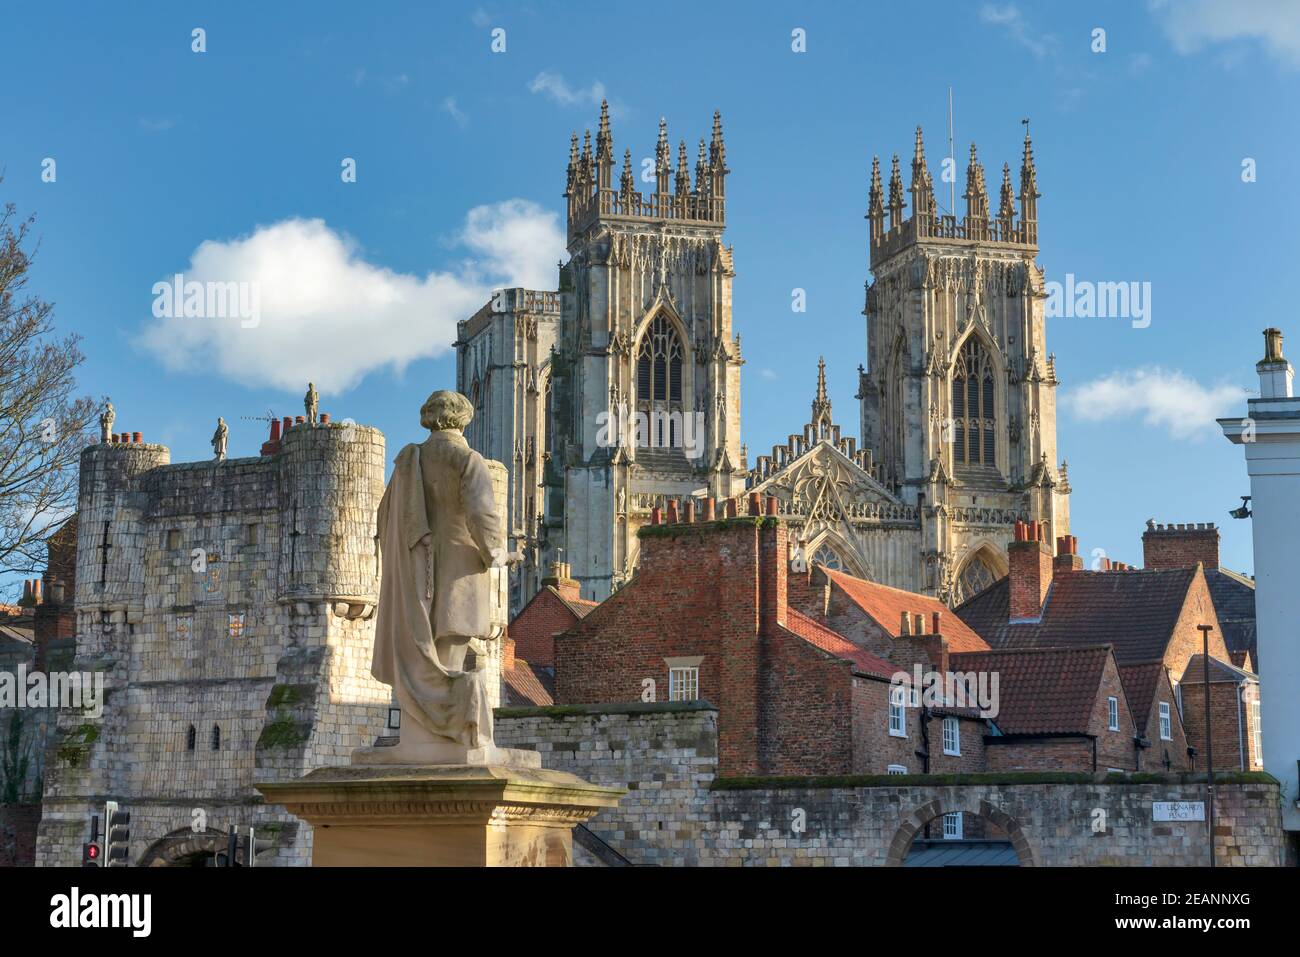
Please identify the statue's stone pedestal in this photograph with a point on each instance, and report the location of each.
(442, 815)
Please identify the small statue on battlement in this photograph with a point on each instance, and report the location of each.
(311, 402)
(219, 439)
(106, 420)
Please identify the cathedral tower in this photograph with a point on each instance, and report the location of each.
(645, 377)
(959, 397)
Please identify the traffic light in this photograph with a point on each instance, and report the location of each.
(117, 843)
(90, 850)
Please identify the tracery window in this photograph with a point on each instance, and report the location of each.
(974, 578)
(827, 557)
(973, 418)
(659, 382)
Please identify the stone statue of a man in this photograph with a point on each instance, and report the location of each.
(219, 438)
(311, 402)
(106, 420)
(439, 533)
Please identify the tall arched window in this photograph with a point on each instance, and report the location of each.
(659, 382)
(974, 422)
(975, 576)
(189, 738)
(216, 737)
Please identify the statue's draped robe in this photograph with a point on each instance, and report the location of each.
(437, 527)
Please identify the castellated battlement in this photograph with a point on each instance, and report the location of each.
(892, 230)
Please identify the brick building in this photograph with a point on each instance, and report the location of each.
(1148, 616)
(1234, 713)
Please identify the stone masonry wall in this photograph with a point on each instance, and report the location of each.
(677, 814)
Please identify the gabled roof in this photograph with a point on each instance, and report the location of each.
(546, 614)
(1194, 673)
(1233, 596)
(819, 636)
(1140, 683)
(1136, 611)
(527, 686)
(1042, 690)
(886, 605)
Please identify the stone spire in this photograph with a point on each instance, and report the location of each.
(683, 171)
(571, 177)
(977, 198)
(876, 202)
(1029, 186)
(1006, 207)
(604, 149)
(718, 156)
(922, 188)
(626, 183)
(895, 195)
(821, 404)
(587, 162)
(702, 172)
(663, 159)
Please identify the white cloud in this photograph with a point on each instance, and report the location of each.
(1192, 25)
(480, 18)
(1012, 20)
(329, 316)
(455, 112)
(558, 89)
(1164, 399)
(768, 373)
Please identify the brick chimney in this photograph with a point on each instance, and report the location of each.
(1030, 562)
(507, 653)
(561, 580)
(1067, 555)
(1180, 546)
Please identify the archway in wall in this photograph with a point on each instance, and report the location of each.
(987, 837)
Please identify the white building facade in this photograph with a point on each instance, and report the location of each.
(1270, 436)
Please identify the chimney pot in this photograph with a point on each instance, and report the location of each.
(656, 516)
(690, 512)
(672, 511)
(771, 505)
(137, 438)
(710, 509)
(906, 627)
(731, 508)
(754, 508)
(937, 620)
(324, 418)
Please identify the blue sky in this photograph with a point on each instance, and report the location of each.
(170, 160)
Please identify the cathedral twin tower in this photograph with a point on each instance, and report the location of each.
(621, 391)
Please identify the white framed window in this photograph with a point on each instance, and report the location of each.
(951, 736)
(1166, 725)
(896, 769)
(683, 684)
(1112, 703)
(897, 714)
(952, 826)
(1256, 734)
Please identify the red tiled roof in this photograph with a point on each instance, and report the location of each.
(886, 606)
(819, 636)
(527, 686)
(1041, 690)
(1140, 683)
(538, 622)
(1136, 611)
